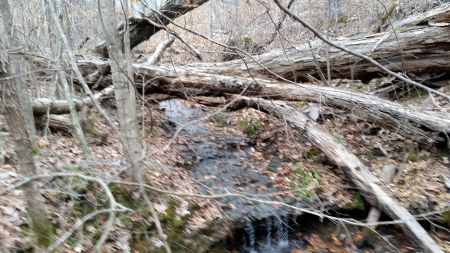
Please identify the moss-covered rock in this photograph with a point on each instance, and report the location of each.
(179, 237)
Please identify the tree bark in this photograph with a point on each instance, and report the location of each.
(142, 27)
(369, 186)
(420, 44)
(41, 105)
(123, 82)
(21, 127)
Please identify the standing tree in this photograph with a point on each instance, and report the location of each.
(122, 75)
(18, 111)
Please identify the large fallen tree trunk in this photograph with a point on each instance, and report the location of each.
(409, 121)
(142, 27)
(44, 105)
(420, 45)
(369, 186)
(418, 48)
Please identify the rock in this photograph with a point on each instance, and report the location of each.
(388, 172)
(313, 112)
(378, 150)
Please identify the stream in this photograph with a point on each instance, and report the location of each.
(223, 164)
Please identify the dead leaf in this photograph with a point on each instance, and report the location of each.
(160, 208)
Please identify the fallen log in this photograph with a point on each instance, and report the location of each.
(42, 105)
(408, 121)
(143, 26)
(420, 46)
(64, 123)
(369, 186)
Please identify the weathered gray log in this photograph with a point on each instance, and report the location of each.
(58, 122)
(417, 47)
(408, 121)
(142, 27)
(425, 47)
(388, 173)
(42, 105)
(369, 186)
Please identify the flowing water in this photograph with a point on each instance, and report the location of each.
(223, 164)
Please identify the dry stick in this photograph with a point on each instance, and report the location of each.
(327, 51)
(278, 25)
(70, 103)
(102, 112)
(113, 206)
(294, 73)
(320, 36)
(316, 64)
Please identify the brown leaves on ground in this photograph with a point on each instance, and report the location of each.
(417, 188)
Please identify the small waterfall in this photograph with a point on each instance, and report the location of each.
(268, 235)
(249, 238)
(268, 225)
(280, 225)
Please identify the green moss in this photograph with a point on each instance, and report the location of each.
(221, 120)
(356, 204)
(446, 218)
(142, 226)
(123, 195)
(359, 156)
(413, 157)
(311, 153)
(250, 125)
(300, 104)
(319, 190)
(174, 227)
(43, 232)
(36, 153)
(343, 19)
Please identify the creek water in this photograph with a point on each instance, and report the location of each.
(223, 164)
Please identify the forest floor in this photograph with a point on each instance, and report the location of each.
(418, 187)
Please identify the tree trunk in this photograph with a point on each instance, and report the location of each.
(17, 111)
(142, 27)
(18, 69)
(420, 45)
(185, 83)
(55, 13)
(369, 186)
(123, 82)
